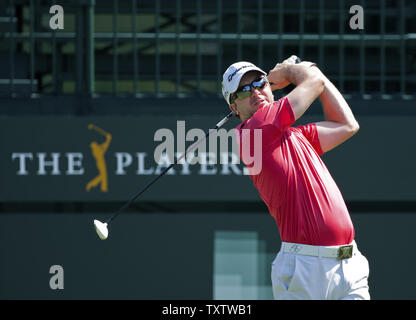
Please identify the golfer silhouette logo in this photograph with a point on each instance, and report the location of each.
(98, 150)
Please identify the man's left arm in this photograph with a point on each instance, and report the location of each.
(340, 123)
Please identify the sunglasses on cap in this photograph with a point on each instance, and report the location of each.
(245, 91)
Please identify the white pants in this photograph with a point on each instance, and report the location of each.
(301, 277)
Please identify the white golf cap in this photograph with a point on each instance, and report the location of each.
(232, 76)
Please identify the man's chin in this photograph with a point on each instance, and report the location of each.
(260, 104)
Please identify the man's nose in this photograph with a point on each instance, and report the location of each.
(255, 92)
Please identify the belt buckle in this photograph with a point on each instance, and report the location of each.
(344, 252)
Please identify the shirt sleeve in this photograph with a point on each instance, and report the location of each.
(279, 113)
(310, 132)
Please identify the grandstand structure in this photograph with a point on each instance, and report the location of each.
(180, 48)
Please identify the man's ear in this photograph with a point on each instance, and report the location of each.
(233, 108)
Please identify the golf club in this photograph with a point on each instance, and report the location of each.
(102, 228)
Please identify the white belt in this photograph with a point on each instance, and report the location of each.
(339, 252)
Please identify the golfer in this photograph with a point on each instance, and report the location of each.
(319, 258)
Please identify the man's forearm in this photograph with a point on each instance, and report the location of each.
(334, 105)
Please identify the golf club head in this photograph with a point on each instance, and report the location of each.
(101, 229)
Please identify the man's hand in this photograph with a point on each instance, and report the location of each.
(278, 76)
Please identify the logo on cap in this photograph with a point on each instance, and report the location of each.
(231, 76)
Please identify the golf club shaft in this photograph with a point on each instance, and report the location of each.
(191, 148)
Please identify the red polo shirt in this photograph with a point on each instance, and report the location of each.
(294, 182)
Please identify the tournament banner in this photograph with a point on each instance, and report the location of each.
(111, 158)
